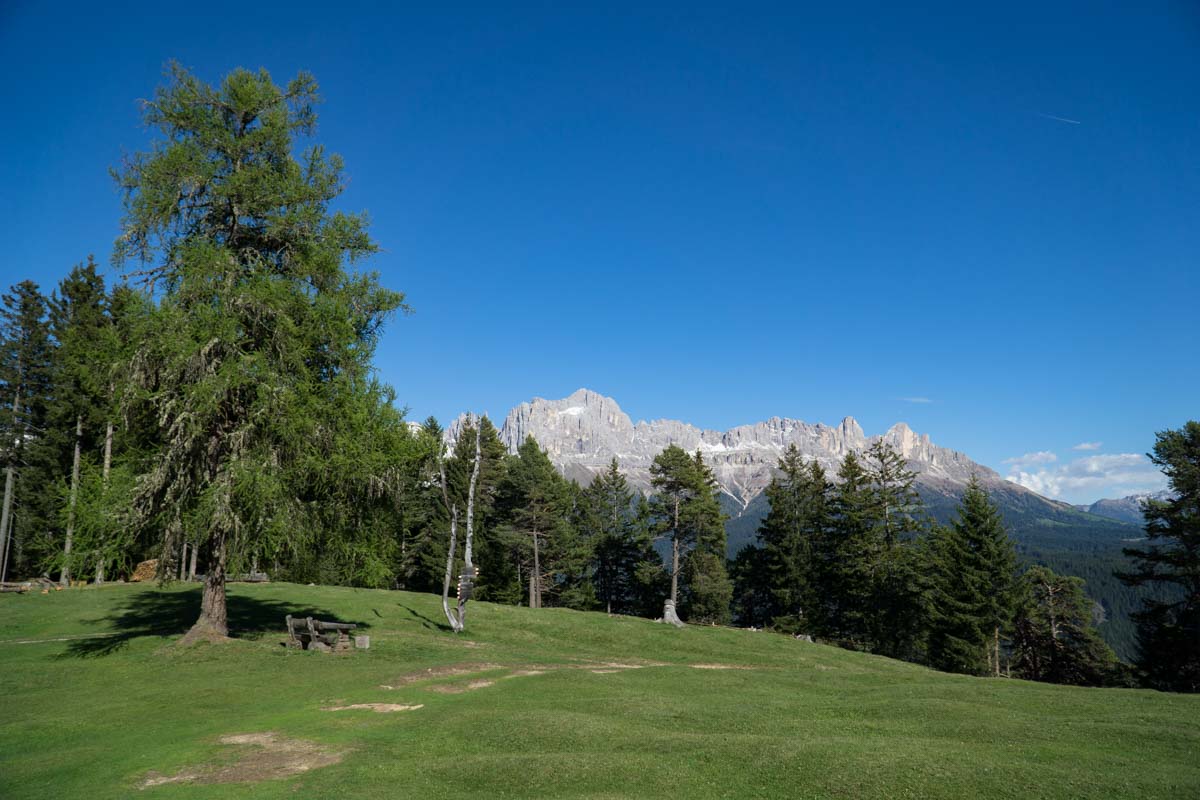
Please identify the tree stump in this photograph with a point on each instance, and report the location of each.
(669, 616)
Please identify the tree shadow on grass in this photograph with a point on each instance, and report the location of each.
(170, 613)
(426, 621)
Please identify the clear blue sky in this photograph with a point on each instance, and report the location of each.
(712, 214)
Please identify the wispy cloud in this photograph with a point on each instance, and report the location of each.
(918, 400)
(1059, 119)
(1088, 478)
(1031, 459)
(1088, 446)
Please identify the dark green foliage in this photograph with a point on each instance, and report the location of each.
(1054, 637)
(536, 504)
(256, 361)
(686, 511)
(26, 375)
(1169, 629)
(797, 525)
(425, 520)
(626, 572)
(499, 577)
(972, 577)
(753, 593)
(898, 627)
(845, 561)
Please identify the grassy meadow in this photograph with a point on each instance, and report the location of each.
(98, 703)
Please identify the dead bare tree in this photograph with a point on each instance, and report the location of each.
(65, 576)
(105, 470)
(457, 617)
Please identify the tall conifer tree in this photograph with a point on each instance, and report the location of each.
(262, 336)
(1169, 629)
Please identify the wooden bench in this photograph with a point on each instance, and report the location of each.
(315, 634)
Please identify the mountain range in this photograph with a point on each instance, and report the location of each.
(584, 432)
(1125, 509)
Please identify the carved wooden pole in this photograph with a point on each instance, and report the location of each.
(451, 615)
(469, 571)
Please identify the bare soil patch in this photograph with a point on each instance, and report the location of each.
(719, 666)
(433, 673)
(264, 756)
(459, 688)
(378, 708)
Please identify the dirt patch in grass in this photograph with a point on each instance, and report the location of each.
(435, 673)
(521, 673)
(719, 666)
(378, 708)
(459, 688)
(262, 757)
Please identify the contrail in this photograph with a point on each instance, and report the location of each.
(1060, 119)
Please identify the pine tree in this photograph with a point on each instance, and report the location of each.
(536, 504)
(25, 386)
(799, 518)
(1054, 639)
(687, 512)
(846, 561)
(422, 557)
(973, 571)
(258, 353)
(498, 557)
(619, 542)
(898, 623)
(80, 408)
(1169, 629)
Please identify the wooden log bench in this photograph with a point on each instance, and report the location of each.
(315, 634)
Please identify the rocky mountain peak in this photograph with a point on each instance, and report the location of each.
(583, 432)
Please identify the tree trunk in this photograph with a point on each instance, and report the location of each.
(214, 618)
(468, 564)
(65, 577)
(7, 548)
(675, 557)
(670, 615)
(191, 576)
(451, 616)
(108, 437)
(10, 473)
(996, 649)
(535, 577)
(6, 517)
(183, 561)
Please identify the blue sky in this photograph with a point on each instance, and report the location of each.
(717, 214)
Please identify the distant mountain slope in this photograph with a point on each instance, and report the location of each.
(582, 433)
(1125, 509)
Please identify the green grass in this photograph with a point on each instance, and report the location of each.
(91, 717)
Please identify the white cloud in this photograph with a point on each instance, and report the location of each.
(1088, 446)
(918, 400)
(1089, 478)
(1031, 459)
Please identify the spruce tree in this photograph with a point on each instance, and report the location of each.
(1169, 629)
(687, 512)
(260, 344)
(80, 408)
(799, 518)
(898, 623)
(1054, 639)
(619, 542)
(536, 504)
(846, 560)
(500, 558)
(972, 569)
(25, 389)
